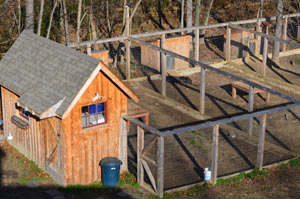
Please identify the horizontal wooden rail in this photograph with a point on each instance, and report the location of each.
(228, 120)
(158, 33)
(143, 125)
(296, 45)
(208, 67)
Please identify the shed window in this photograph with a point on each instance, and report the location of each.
(93, 115)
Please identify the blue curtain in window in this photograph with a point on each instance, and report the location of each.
(100, 107)
(92, 109)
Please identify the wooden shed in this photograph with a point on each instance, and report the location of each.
(179, 45)
(61, 108)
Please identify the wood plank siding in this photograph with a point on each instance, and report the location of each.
(38, 141)
(85, 147)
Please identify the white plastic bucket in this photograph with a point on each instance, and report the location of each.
(207, 174)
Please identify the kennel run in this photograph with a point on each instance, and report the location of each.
(157, 184)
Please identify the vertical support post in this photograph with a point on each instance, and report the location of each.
(89, 50)
(250, 109)
(163, 67)
(197, 41)
(123, 144)
(228, 43)
(215, 152)
(127, 43)
(284, 33)
(160, 166)
(182, 16)
(261, 142)
(258, 39)
(265, 57)
(202, 91)
(140, 147)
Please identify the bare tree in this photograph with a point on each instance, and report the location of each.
(205, 18)
(93, 27)
(30, 15)
(41, 17)
(278, 30)
(182, 14)
(79, 19)
(197, 14)
(66, 21)
(189, 13)
(51, 19)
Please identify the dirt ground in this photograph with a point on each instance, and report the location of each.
(190, 152)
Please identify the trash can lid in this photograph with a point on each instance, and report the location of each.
(110, 161)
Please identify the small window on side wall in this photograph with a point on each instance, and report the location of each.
(23, 113)
(93, 115)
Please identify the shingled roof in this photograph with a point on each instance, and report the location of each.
(44, 73)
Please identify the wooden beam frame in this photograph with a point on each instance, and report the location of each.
(284, 33)
(202, 91)
(127, 43)
(228, 43)
(160, 166)
(265, 58)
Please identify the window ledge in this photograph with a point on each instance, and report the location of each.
(20, 122)
(100, 126)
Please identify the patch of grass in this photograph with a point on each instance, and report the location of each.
(295, 163)
(251, 175)
(128, 179)
(297, 61)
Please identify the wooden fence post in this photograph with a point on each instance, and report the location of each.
(250, 109)
(123, 144)
(228, 43)
(163, 66)
(258, 39)
(89, 50)
(127, 43)
(140, 147)
(202, 92)
(215, 152)
(160, 166)
(265, 57)
(197, 45)
(261, 142)
(284, 33)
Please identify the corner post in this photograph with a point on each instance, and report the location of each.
(89, 50)
(265, 57)
(127, 43)
(261, 142)
(123, 143)
(250, 109)
(284, 33)
(197, 41)
(228, 43)
(258, 39)
(202, 92)
(160, 166)
(215, 152)
(163, 66)
(140, 148)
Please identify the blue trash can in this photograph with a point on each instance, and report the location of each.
(110, 171)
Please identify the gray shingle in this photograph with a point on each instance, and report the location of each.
(43, 72)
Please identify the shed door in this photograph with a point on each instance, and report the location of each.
(53, 143)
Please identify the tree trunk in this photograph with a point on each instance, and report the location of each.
(124, 13)
(19, 17)
(79, 19)
(66, 21)
(94, 29)
(261, 8)
(278, 30)
(189, 13)
(41, 17)
(197, 14)
(182, 14)
(51, 19)
(30, 15)
(205, 18)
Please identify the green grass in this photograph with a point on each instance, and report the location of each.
(295, 163)
(297, 61)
